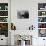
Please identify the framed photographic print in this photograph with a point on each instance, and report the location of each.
(23, 14)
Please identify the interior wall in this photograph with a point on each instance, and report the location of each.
(23, 24)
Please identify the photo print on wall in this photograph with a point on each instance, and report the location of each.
(42, 32)
(4, 29)
(23, 14)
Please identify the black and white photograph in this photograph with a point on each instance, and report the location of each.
(41, 13)
(23, 14)
(41, 19)
(3, 19)
(3, 13)
(41, 6)
(42, 33)
(3, 6)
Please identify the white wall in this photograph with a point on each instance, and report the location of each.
(22, 25)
